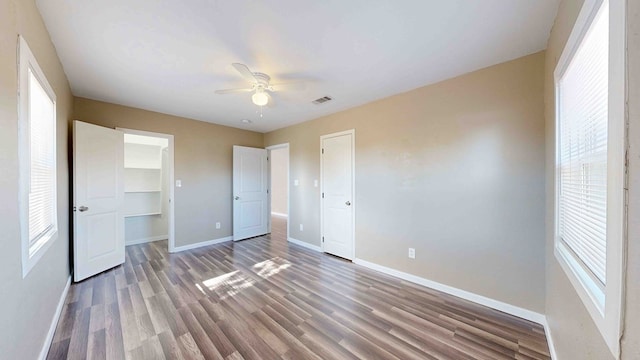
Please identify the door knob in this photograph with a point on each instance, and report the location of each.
(237, 198)
(348, 203)
(83, 208)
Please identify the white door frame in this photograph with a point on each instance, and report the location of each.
(273, 147)
(171, 187)
(354, 203)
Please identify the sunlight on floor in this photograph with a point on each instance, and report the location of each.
(229, 284)
(271, 267)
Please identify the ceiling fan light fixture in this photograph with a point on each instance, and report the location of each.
(260, 98)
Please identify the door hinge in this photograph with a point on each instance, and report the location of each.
(323, 195)
(626, 169)
(267, 191)
(626, 157)
(626, 160)
(323, 151)
(267, 158)
(323, 239)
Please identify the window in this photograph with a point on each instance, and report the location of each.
(37, 127)
(582, 152)
(590, 144)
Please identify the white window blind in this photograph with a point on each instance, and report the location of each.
(583, 120)
(42, 165)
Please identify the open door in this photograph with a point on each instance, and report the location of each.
(98, 189)
(250, 196)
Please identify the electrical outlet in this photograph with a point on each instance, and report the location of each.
(178, 183)
(217, 225)
(412, 253)
(301, 227)
(296, 182)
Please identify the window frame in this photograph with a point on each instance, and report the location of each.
(603, 303)
(27, 65)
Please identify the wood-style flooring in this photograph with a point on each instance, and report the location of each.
(265, 298)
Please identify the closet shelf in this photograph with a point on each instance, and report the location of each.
(142, 168)
(147, 214)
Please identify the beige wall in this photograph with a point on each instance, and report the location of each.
(203, 161)
(279, 160)
(455, 170)
(27, 305)
(631, 339)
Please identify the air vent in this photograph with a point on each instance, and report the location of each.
(322, 100)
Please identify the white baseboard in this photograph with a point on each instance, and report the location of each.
(54, 322)
(280, 215)
(478, 299)
(201, 244)
(552, 347)
(146, 240)
(305, 244)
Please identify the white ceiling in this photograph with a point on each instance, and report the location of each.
(170, 56)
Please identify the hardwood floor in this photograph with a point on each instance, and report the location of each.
(265, 298)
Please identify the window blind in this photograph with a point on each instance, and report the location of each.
(42, 162)
(583, 120)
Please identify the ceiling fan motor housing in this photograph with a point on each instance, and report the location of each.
(262, 80)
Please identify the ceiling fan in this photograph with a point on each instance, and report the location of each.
(259, 85)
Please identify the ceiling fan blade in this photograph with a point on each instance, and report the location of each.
(245, 72)
(292, 85)
(232, 91)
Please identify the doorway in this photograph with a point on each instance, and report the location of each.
(148, 192)
(337, 174)
(279, 191)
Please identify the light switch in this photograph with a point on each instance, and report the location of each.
(296, 182)
(315, 183)
(178, 183)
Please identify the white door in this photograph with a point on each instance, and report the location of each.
(98, 193)
(250, 197)
(337, 166)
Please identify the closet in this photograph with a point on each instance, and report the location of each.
(146, 183)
